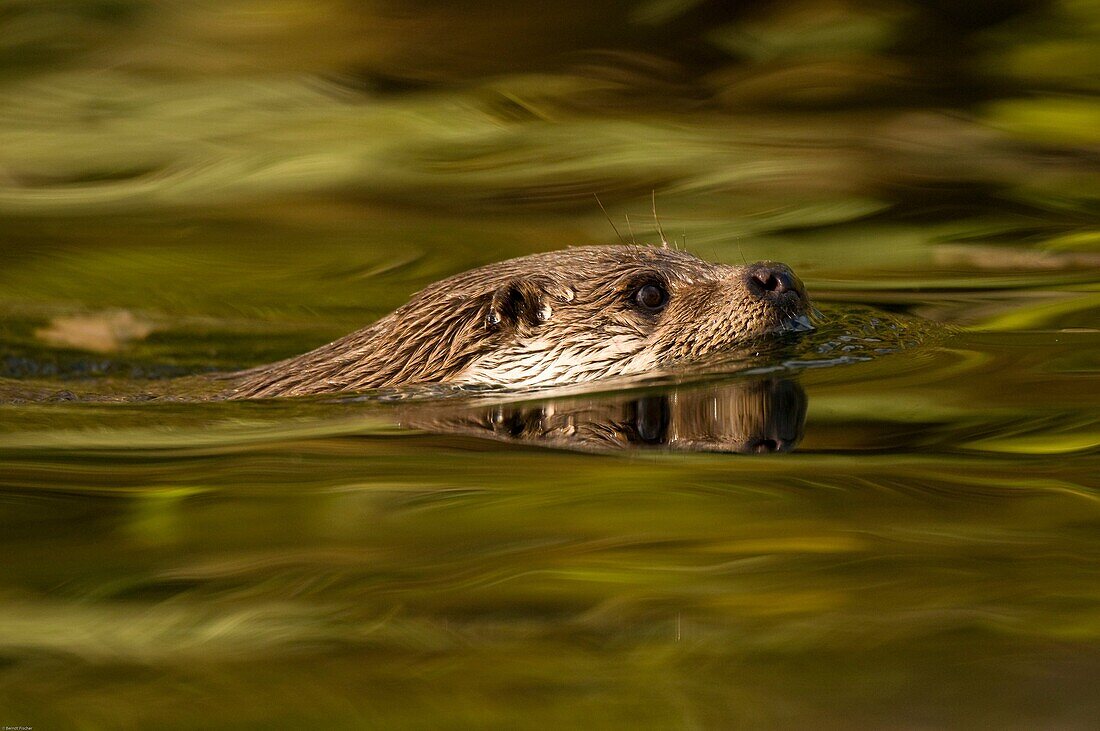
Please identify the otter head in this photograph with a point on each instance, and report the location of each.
(593, 312)
(550, 319)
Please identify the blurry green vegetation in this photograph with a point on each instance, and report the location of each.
(270, 158)
(231, 133)
(168, 104)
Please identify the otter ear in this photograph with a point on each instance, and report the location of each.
(525, 301)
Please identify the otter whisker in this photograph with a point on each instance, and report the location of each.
(600, 204)
(661, 231)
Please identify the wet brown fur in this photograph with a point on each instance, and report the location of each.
(557, 317)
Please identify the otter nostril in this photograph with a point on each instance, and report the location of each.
(774, 280)
(765, 279)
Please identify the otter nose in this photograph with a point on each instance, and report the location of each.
(767, 279)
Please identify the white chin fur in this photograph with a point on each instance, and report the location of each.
(541, 363)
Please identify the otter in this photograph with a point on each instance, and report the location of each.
(551, 319)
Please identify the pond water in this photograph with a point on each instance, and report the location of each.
(890, 522)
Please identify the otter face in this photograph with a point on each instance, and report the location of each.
(551, 319)
(594, 312)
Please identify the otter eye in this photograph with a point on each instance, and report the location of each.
(651, 296)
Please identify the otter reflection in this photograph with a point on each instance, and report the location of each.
(749, 417)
